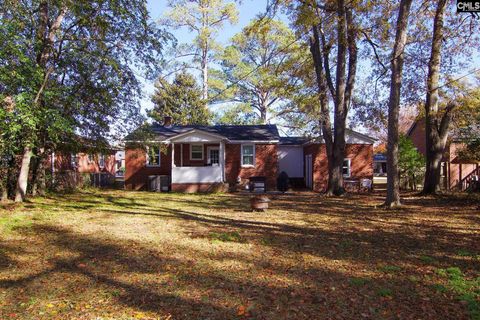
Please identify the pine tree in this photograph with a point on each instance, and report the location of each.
(181, 100)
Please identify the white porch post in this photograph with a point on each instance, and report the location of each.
(181, 154)
(222, 159)
(173, 155)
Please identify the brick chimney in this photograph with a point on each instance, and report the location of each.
(167, 121)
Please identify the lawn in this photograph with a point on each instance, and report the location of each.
(138, 255)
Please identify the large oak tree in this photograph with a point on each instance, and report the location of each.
(70, 68)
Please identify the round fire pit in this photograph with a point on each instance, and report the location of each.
(259, 203)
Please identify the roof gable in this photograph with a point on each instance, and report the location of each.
(197, 135)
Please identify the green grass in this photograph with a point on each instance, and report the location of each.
(358, 282)
(121, 255)
(390, 269)
(12, 223)
(384, 292)
(227, 236)
(467, 290)
(427, 259)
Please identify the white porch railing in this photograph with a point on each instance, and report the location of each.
(197, 174)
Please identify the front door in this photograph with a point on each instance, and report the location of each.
(213, 156)
(308, 171)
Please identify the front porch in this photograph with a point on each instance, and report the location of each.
(198, 161)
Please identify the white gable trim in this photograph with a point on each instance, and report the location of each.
(196, 136)
(253, 141)
(353, 137)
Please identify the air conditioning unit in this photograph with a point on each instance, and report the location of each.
(159, 183)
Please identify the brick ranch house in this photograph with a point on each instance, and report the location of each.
(202, 158)
(455, 173)
(102, 167)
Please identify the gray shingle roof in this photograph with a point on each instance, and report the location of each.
(293, 141)
(231, 132)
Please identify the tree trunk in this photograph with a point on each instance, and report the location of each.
(322, 88)
(393, 180)
(205, 72)
(3, 184)
(38, 175)
(263, 115)
(4, 197)
(22, 181)
(11, 176)
(47, 40)
(435, 138)
(335, 183)
(341, 92)
(33, 181)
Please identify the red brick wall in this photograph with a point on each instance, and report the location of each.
(86, 166)
(137, 172)
(186, 155)
(266, 164)
(418, 136)
(361, 162)
(458, 170)
(63, 162)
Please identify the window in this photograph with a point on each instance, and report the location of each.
(90, 157)
(101, 160)
(196, 152)
(248, 155)
(74, 160)
(213, 156)
(346, 168)
(153, 156)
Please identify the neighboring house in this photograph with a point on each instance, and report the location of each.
(83, 162)
(358, 162)
(379, 165)
(200, 158)
(455, 174)
(120, 163)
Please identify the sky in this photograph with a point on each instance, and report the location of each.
(248, 9)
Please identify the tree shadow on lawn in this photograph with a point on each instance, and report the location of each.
(318, 293)
(5, 260)
(356, 239)
(95, 260)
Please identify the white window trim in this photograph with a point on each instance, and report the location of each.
(241, 155)
(196, 144)
(100, 156)
(209, 160)
(349, 168)
(73, 160)
(159, 158)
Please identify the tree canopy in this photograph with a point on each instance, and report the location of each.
(181, 100)
(70, 68)
(205, 18)
(258, 67)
